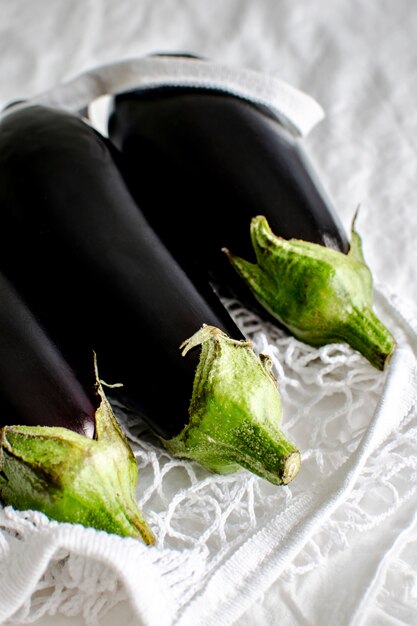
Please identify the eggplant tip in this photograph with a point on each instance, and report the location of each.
(292, 467)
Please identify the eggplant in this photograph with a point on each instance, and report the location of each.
(55, 432)
(215, 173)
(100, 277)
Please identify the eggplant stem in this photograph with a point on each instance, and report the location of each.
(235, 412)
(72, 478)
(367, 334)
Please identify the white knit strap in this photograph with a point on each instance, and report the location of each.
(295, 109)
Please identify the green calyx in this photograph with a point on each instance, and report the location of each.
(321, 295)
(72, 478)
(235, 412)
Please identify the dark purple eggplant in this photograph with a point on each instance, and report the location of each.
(37, 386)
(203, 165)
(221, 161)
(54, 433)
(99, 277)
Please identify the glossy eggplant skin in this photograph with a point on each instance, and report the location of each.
(203, 163)
(37, 386)
(91, 268)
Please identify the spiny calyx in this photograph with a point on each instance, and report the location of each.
(321, 295)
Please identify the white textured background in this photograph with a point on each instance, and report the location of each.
(357, 58)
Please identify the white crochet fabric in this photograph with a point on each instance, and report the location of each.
(222, 540)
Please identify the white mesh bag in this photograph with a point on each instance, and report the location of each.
(223, 540)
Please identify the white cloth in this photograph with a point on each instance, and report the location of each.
(357, 565)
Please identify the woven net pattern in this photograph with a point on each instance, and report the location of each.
(200, 519)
